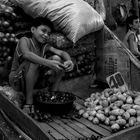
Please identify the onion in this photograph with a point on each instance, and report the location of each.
(7, 35)
(10, 29)
(81, 111)
(85, 115)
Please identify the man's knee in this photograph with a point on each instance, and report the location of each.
(33, 67)
(57, 58)
(33, 71)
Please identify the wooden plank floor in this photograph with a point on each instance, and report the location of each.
(62, 128)
(74, 128)
(59, 129)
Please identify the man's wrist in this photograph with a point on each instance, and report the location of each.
(69, 60)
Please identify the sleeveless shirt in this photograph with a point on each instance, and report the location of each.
(18, 59)
(127, 37)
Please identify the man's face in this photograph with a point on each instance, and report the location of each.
(41, 33)
(136, 24)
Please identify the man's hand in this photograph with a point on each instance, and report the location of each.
(55, 65)
(68, 65)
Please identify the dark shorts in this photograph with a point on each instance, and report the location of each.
(17, 79)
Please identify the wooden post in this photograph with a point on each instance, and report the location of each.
(135, 4)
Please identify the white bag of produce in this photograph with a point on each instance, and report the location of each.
(75, 18)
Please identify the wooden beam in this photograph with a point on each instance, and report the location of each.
(14, 126)
(23, 121)
(132, 133)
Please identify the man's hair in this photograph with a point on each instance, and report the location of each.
(132, 11)
(130, 20)
(42, 21)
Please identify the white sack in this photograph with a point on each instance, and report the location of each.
(75, 18)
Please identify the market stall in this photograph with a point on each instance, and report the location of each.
(18, 24)
(94, 122)
(112, 113)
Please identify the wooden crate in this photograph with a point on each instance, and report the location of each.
(111, 59)
(135, 77)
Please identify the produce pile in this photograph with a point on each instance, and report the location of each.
(84, 59)
(54, 97)
(83, 54)
(11, 24)
(7, 35)
(54, 103)
(117, 108)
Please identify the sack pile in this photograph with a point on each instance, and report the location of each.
(75, 18)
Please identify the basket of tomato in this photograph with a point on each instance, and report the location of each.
(55, 103)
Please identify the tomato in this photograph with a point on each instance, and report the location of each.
(5, 54)
(10, 29)
(5, 24)
(4, 48)
(7, 10)
(13, 14)
(4, 40)
(1, 34)
(0, 22)
(16, 40)
(2, 6)
(10, 8)
(12, 35)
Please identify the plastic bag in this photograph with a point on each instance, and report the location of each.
(75, 18)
